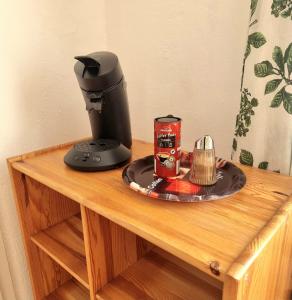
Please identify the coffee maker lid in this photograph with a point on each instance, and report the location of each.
(98, 71)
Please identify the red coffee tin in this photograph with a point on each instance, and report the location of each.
(167, 146)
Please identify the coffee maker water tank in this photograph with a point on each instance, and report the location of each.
(101, 80)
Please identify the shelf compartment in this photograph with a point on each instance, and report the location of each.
(156, 277)
(70, 290)
(64, 243)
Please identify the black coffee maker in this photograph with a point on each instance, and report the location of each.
(103, 87)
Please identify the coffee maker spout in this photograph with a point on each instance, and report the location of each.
(94, 101)
(90, 65)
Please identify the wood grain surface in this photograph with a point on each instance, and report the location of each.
(238, 248)
(64, 244)
(110, 249)
(198, 233)
(154, 277)
(45, 207)
(70, 290)
(46, 275)
(263, 270)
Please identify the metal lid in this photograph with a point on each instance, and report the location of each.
(204, 143)
(167, 119)
(98, 71)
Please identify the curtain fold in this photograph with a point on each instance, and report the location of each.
(263, 130)
(6, 284)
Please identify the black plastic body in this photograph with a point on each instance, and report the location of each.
(101, 81)
(113, 120)
(89, 156)
(104, 92)
(107, 71)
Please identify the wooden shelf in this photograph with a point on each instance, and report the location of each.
(70, 290)
(155, 277)
(64, 243)
(236, 248)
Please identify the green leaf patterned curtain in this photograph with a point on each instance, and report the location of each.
(263, 130)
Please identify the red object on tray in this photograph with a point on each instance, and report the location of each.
(167, 146)
(182, 186)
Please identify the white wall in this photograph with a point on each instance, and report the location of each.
(181, 57)
(40, 101)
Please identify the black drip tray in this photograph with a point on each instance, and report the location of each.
(97, 155)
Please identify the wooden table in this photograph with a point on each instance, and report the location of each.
(88, 236)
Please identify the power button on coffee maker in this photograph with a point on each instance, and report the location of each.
(96, 158)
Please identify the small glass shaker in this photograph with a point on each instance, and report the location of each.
(203, 169)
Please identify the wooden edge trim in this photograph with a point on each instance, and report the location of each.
(24, 237)
(87, 246)
(251, 252)
(11, 160)
(16, 158)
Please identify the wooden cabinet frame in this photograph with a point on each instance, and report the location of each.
(87, 236)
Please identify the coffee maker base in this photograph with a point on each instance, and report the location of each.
(97, 155)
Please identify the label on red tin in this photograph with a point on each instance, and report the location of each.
(166, 140)
(167, 147)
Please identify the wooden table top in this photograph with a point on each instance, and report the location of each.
(230, 231)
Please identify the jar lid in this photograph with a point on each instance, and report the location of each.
(204, 143)
(167, 119)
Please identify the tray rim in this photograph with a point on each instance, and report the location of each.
(197, 197)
